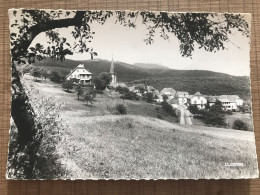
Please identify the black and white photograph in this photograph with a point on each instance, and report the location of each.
(130, 95)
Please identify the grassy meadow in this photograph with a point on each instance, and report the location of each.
(95, 144)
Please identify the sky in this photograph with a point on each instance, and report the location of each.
(127, 45)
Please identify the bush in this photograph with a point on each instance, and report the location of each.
(130, 96)
(67, 85)
(122, 90)
(56, 77)
(168, 108)
(118, 109)
(229, 112)
(240, 125)
(159, 116)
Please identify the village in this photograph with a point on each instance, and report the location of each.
(185, 106)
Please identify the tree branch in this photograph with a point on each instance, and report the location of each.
(33, 31)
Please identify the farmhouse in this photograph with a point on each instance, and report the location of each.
(199, 100)
(182, 97)
(211, 100)
(170, 92)
(230, 102)
(80, 74)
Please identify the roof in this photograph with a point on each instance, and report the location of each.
(231, 98)
(173, 101)
(139, 85)
(211, 98)
(223, 100)
(182, 94)
(80, 66)
(197, 93)
(150, 88)
(168, 90)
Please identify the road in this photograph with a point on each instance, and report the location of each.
(185, 118)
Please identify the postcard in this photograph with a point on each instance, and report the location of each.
(99, 94)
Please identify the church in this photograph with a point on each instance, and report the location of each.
(112, 72)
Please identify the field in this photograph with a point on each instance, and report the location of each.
(96, 144)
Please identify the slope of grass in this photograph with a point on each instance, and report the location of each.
(96, 144)
(135, 147)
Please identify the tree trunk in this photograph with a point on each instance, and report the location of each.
(29, 137)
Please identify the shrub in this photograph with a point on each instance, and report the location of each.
(122, 90)
(67, 85)
(229, 112)
(119, 108)
(149, 97)
(79, 91)
(168, 108)
(159, 116)
(99, 84)
(35, 72)
(130, 96)
(56, 77)
(240, 125)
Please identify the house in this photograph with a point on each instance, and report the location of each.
(211, 100)
(230, 102)
(80, 74)
(226, 104)
(182, 97)
(170, 92)
(199, 100)
(150, 88)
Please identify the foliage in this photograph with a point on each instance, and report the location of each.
(193, 109)
(99, 84)
(229, 112)
(67, 85)
(149, 97)
(240, 125)
(210, 85)
(89, 95)
(126, 94)
(215, 116)
(79, 91)
(168, 108)
(44, 73)
(119, 108)
(122, 90)
(56, 77)
(106, 77)
(35, 72)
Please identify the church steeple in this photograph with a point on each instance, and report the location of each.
(112, 72)
(112, 67)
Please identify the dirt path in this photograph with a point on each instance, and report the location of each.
(185, 115)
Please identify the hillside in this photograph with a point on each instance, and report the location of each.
(95, 144)
(124, 71)
(150, 66)
(207, 82)
(230, 85)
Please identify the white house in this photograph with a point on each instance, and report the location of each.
(230, 102)
(80, 74)
(182, 97)
(199, 100)
(170, 92)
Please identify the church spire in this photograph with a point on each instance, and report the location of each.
(112, 67)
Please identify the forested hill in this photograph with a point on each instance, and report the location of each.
(230, 85)
(207, 82)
